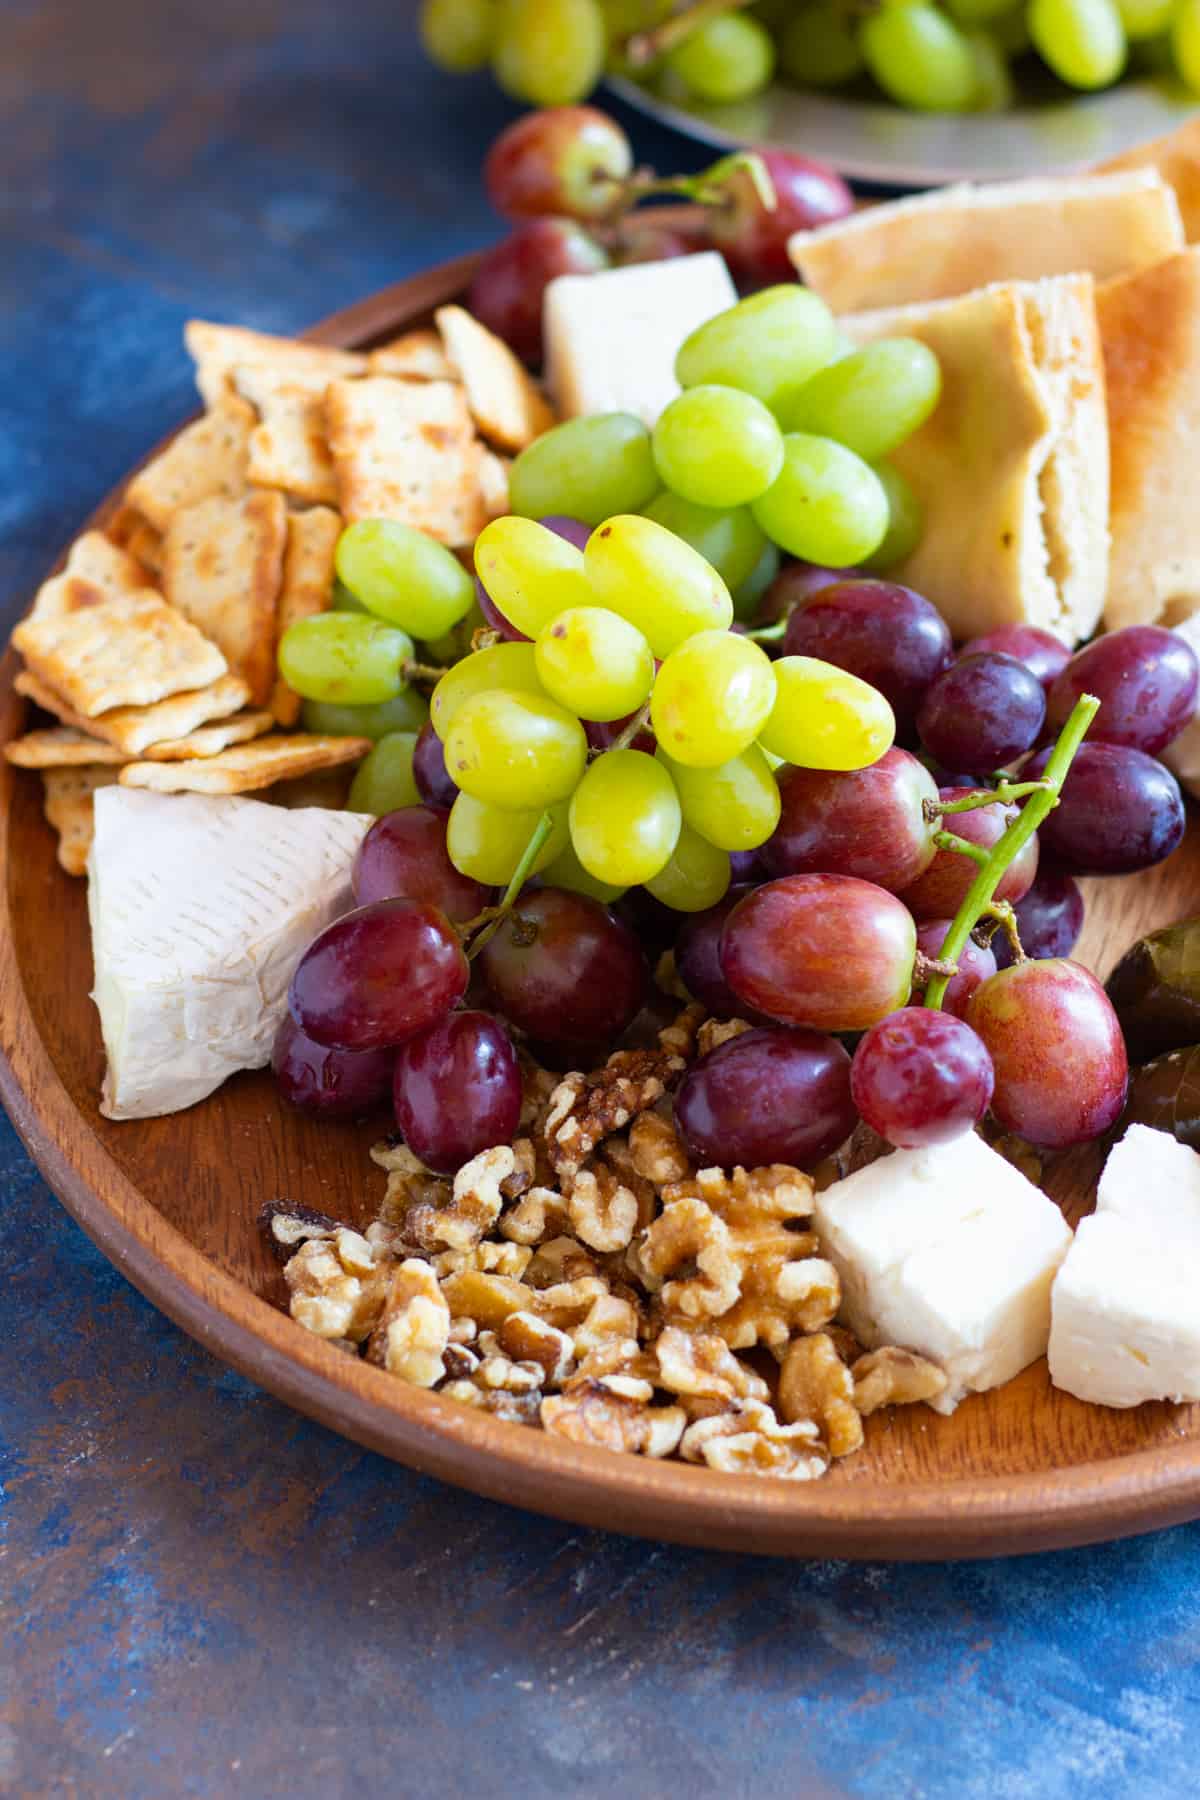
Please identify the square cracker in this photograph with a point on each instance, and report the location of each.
(407, 450)
(96, 569)
(308, 576)
(68, 805)
(250, 766)
(130, 651)
(61, 748)
(217, 350)
(134, 729)
(146, 544)
(415, 356)
(505, 401)
(222, 567)
(208, 457)
(210, 740)
(288, 448)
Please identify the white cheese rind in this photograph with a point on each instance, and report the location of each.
(200, 908)
(948, 1251)
(611, 339)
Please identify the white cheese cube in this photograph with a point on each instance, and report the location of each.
(1125, 1322)
(1182, 756)
(611, 339)
(949, 1251)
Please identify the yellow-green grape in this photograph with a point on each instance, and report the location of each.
(828, 506)
(457, 34)
(918, 56)
(1011, 30)
(515, 749)
(768, 345)
(1083, 41)
(345, 601)
(587, 469)
(594, 662)
(487, 842)
(728, 58)
(1144, 19)
(625, 818)
(501, 666)
(1185, 42)
(977, 12)
(566, 871)
(826, 718)
(906, 521)
(696, 876)
(717, 446)
(530, 572)
(735, 806)
(548, 52)
(384, 779)
(656, 581)
(405, 711)
(456, 642)
(748, 593)
(871, 400)
(819, 47)
(710, 698)
(404, 577)
(353, 660)
(994, 90)
(729, 539)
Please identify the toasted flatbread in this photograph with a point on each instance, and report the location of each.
(288, 448)
(96, 569)
(953, 240)
(61, 748)
(130, 651)
(207, 457)
(133, 729)
(415, 356)
(222, 567)
(249, 766)
(68, 804)
(407, 450)
(1012, 468)
(308, 576)
(505, 401)
(217, 350)
(1176, 157)
(209, 740)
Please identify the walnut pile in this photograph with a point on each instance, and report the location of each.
(588, 1279)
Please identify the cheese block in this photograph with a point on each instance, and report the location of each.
(949, 1251)
(200, 908)
(1125, 1324)
(611, 338)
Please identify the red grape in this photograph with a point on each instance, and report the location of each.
(602, 734)
(495, 619)
(698, 956)
(1145, 679)
(828, 951)
(1056, 1046)
(1119, 810)
(1042, 653)
(976, 962)
(506, 293)
(754, 238)
(404, 856)
(880, 631)
(921, 1077)
(795, 586)
(869, 822)
(563, 526)
(1049, 918)
(745, 866)
(774, 1095)
(941, 890)
(377, 975)
(642, 240)
(457, 1090)
(568, 160)
(564, 969)
(981, 712)
(429, 769)
(335, 1084)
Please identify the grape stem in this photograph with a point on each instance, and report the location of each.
(419, 671)
(769, 634)
(979, 898)
(641, 47)
(709, 188)
(484, 926)
(638, 723)
(946, 840)
(1005, 918)
(1004, 791)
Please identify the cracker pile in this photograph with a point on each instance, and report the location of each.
(154, 648)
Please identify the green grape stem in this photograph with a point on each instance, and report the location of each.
(642, 47)
(946, 840)
(419, 671)
(979, 899)
(769, 634)
(484, 926)
(1003, 791)
(710, 188)
(639, 722)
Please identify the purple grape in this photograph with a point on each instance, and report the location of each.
(867, 822)
(1119, 810)
(1145, 679)
(1042, 653)
(565, 969)
(457, 1090)
(429, 769)
(404, 856)
(495, 618)
(981, 712)
(921, 1077)
(774, 1095)
(574, 530)
(795, 586)
(745, 866)
(602, 734)
(976, 962)
(1049, 918)
(377, 975)
(698, 956)
(334, 1084)
(880, 631)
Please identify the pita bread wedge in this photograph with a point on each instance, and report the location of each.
(133, 729)
(407, 450)
(1176, 157)
(248, 766)
(414, 356)
(222, 567)
(308, 576)
(130, 651)
(952, 240)
(217, 350)
(208, 457)
(61, 748)
(1012, 469)
(505, 401)
(96, 569)
(68, 803)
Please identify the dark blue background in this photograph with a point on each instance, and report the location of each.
(200, 1592)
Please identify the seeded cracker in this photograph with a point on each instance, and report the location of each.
(407, 450)
(308, 574)
(68, 807)
(62, 748)
(96, 569)
(222, 567)
(505, 401)
(416, 356)
(217, 350)
(134, 729)
(208, 457)
(130, 651)
(250, 766)
(287, 447)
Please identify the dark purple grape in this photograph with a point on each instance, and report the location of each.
(563, 526)
(457, 1090)
(698, 957)
(981, 712)
(1119, 810)
(652, 923)
(1042, 653)
(921, 1077)
(335, 1084)
(429, 769)
(1145, 679)
(754, 237)
(565, 969)
(773, 1095)
(867, 822)
(794, 586)
(1049, 918)
(404, 856)
(941, 890)
(880, 631)
(377, 975)
(745, 866)
(495, 619)
(976, 962)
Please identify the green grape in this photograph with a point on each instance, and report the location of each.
(710, 697)
(1011, 30)
(456, 642)
(1144, 19)
(906, 521)
(405, 711)
(339, 656)
(344, 600)
(828, 505)
(515, 749)
(1185, 43)
(530, 572)
(548, 52)
(457, 34)
(656, 581)
(826, 718)
(404, 577)
(595, 663)
(1154, 56)
(820, 48)
(768, 345)
(871, 400)
(977, 12)
(625, 818)
(729, 540)
(501, 666)
(566, 871)
(716, 446)
(1081, 40)
(747, 596)
(695, 877)
(993, 81)
(918, 56)
(384, 779)
(735, 806)
(729, 58)
(587, 468)
(487, 842)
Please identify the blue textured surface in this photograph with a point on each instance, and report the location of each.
(200, 1592)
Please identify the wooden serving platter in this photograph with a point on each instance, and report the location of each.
(172, 1202)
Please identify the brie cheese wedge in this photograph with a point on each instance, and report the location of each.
(200, 908)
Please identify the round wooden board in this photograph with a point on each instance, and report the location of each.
(173, 1202)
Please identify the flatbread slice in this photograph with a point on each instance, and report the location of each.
(96, 569)
(308, 577)
(68, 803)
(288, 449)
(1012, 468)
(217, 350)
(414, 356)
(222, 567)
(249, 766)
(407, 450)
(130, 651)
(133, 729)
(505, 401)
(61, 748)
(953, 240)
(1176, 157)
(207, 457)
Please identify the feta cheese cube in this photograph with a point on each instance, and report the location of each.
(949, 1251)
